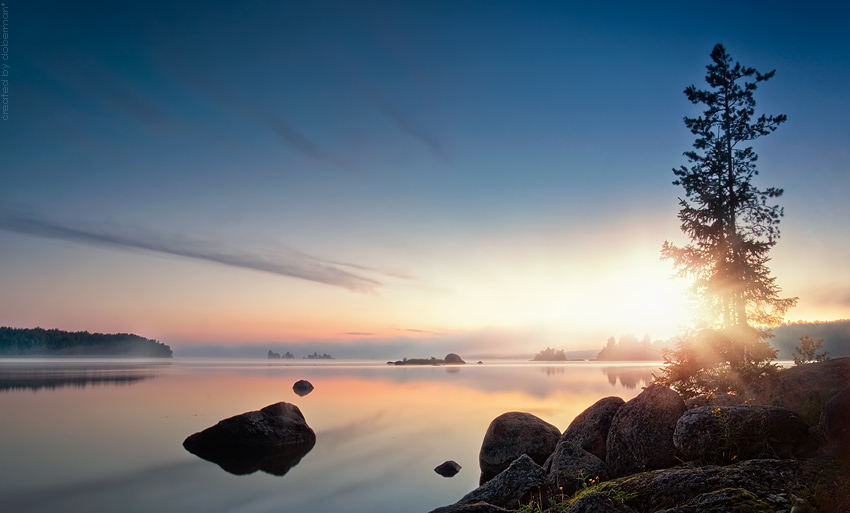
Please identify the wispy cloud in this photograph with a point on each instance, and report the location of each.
(287, 263)
(359, 333)
(423, 331)
(405, 122)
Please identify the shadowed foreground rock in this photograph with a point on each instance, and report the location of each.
(506, 489)
(641, 434)
(835, 423)
(804, 389)
(723, 434)
(765, 481)
(512, 434)
(273, 440)
(598, 503)
(570, 466)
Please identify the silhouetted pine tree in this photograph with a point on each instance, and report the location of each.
(732, 227)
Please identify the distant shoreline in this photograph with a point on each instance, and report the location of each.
(53, 343)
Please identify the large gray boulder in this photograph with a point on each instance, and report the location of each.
(804, 389)
(273, 440)
(590, 429)
(511, 435)
(835, 422)
(641, 433)
(509, 487)
(723, 434)
(570, 467)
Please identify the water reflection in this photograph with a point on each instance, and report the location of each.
(552, 371)
(630, 377)
(51, 375)
(240, 461)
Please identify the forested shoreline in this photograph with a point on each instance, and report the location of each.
(54, 342)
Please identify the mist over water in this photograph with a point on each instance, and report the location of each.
(106, 436)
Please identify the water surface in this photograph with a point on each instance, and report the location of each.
(106, 435)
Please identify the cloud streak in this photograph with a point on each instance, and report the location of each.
(291, 264)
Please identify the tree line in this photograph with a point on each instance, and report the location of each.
(54, 342)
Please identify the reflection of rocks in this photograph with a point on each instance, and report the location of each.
(302, 387)
(448, 469)
(273, 440)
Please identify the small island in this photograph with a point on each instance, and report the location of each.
(317, 356)
(450, 359)
(550, 355)
(53, 342)
(276, 356)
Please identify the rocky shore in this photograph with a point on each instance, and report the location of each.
(782, 447)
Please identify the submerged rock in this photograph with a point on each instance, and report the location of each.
(273, 440)
(302, 387)
(511, 435)
(448, 468)
(641, 434)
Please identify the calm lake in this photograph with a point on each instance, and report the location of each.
(94, 436)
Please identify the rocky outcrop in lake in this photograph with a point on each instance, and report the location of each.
(661, 457)
(450, 359)
(448, 468)
(302, 387)
(273, 440)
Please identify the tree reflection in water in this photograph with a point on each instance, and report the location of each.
(17, 375)
(630, 377)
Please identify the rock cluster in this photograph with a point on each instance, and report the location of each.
(654, 453)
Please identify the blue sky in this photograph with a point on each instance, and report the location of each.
(495, 175)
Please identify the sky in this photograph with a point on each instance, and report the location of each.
(399, 178)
